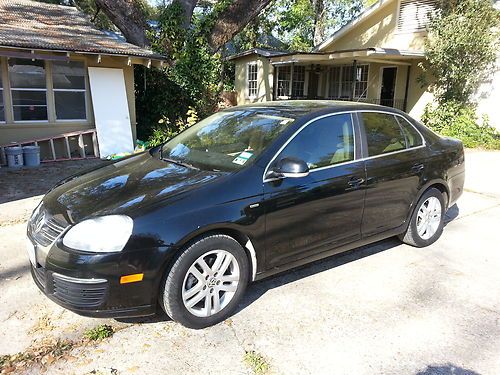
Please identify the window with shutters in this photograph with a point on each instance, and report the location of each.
(414, 15)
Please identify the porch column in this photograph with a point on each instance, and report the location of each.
(405, 101)
(275, 81)
(353, 88)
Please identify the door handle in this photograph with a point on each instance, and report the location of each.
(355, 181)
(417, 168)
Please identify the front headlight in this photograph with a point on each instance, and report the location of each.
(102, 234)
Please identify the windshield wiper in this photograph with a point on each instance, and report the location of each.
(178, 162)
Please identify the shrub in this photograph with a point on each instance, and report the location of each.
(461, 121)
(166, 129)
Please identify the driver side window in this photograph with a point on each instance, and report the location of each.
(327, 141)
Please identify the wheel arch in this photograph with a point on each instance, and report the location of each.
(239, 236)
(439, 184)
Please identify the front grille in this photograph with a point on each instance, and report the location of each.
(80, 293)
(45, 228)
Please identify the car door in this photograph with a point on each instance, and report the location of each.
(395, 164)
(311, 214)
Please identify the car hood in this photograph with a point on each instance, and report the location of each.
(124, 187)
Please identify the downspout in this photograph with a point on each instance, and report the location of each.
(405, 101)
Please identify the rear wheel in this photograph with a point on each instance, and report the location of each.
(206, 282)
(427, 221)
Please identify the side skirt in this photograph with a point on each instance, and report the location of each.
(328, 253)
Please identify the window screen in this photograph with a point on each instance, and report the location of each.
(299, 75)
(325, 142)
(69, 90)
(383, 133)
(29, 89)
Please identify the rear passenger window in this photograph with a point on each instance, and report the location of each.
(413, 138)
(324, 142)
(383, 133)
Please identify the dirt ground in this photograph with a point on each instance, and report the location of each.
(386, 308)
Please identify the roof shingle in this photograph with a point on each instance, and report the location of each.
(32, 24)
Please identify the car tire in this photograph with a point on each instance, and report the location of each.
(198, 272)
(427, 221)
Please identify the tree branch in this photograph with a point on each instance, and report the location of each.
(232, 20)
(128, 18)
(188, 6)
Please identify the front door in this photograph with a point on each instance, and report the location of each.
(323, 210)
(388, 86)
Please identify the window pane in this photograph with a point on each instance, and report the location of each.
(2, 113)
(30, 113)
(26, 73)
(325, 142)
(70, 105)
(29, 97)
(335, 82)
(412, 137)
(284, 73)
(68, 75)
(299, 74)
(252, 79)
(383, 133)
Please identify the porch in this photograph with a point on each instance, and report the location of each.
(376, 76)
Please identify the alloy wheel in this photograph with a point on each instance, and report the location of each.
(428, 218)
(210, 283)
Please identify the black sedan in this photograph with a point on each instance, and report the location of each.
(248, 192)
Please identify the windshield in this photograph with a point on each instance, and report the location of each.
(227, 141)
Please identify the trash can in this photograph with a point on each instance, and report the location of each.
(14, 156)
(31, 156)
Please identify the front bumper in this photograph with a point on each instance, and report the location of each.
(89, 284)
(87, 297)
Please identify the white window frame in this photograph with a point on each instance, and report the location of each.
(421, 29)
(46, 90)
(341, 81)
(249, 65)
(295, 81)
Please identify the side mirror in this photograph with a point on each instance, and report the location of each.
(289, 167)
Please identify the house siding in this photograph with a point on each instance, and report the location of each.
(25, 131)
(379, 30)
(264, 79)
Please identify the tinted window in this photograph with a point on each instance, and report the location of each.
(383, 133)
(325, 142)
(413, 139)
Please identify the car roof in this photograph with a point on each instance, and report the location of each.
(299, 108)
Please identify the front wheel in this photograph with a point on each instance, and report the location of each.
(427, 221)
(206, 282)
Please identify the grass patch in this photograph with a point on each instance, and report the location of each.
(100, 332)
(256, 362)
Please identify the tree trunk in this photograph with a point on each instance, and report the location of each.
(319, 21)
(233, 19)
(128, 18)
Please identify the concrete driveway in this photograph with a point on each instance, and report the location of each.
(387, 308)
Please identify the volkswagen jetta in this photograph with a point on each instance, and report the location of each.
(243, 194)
